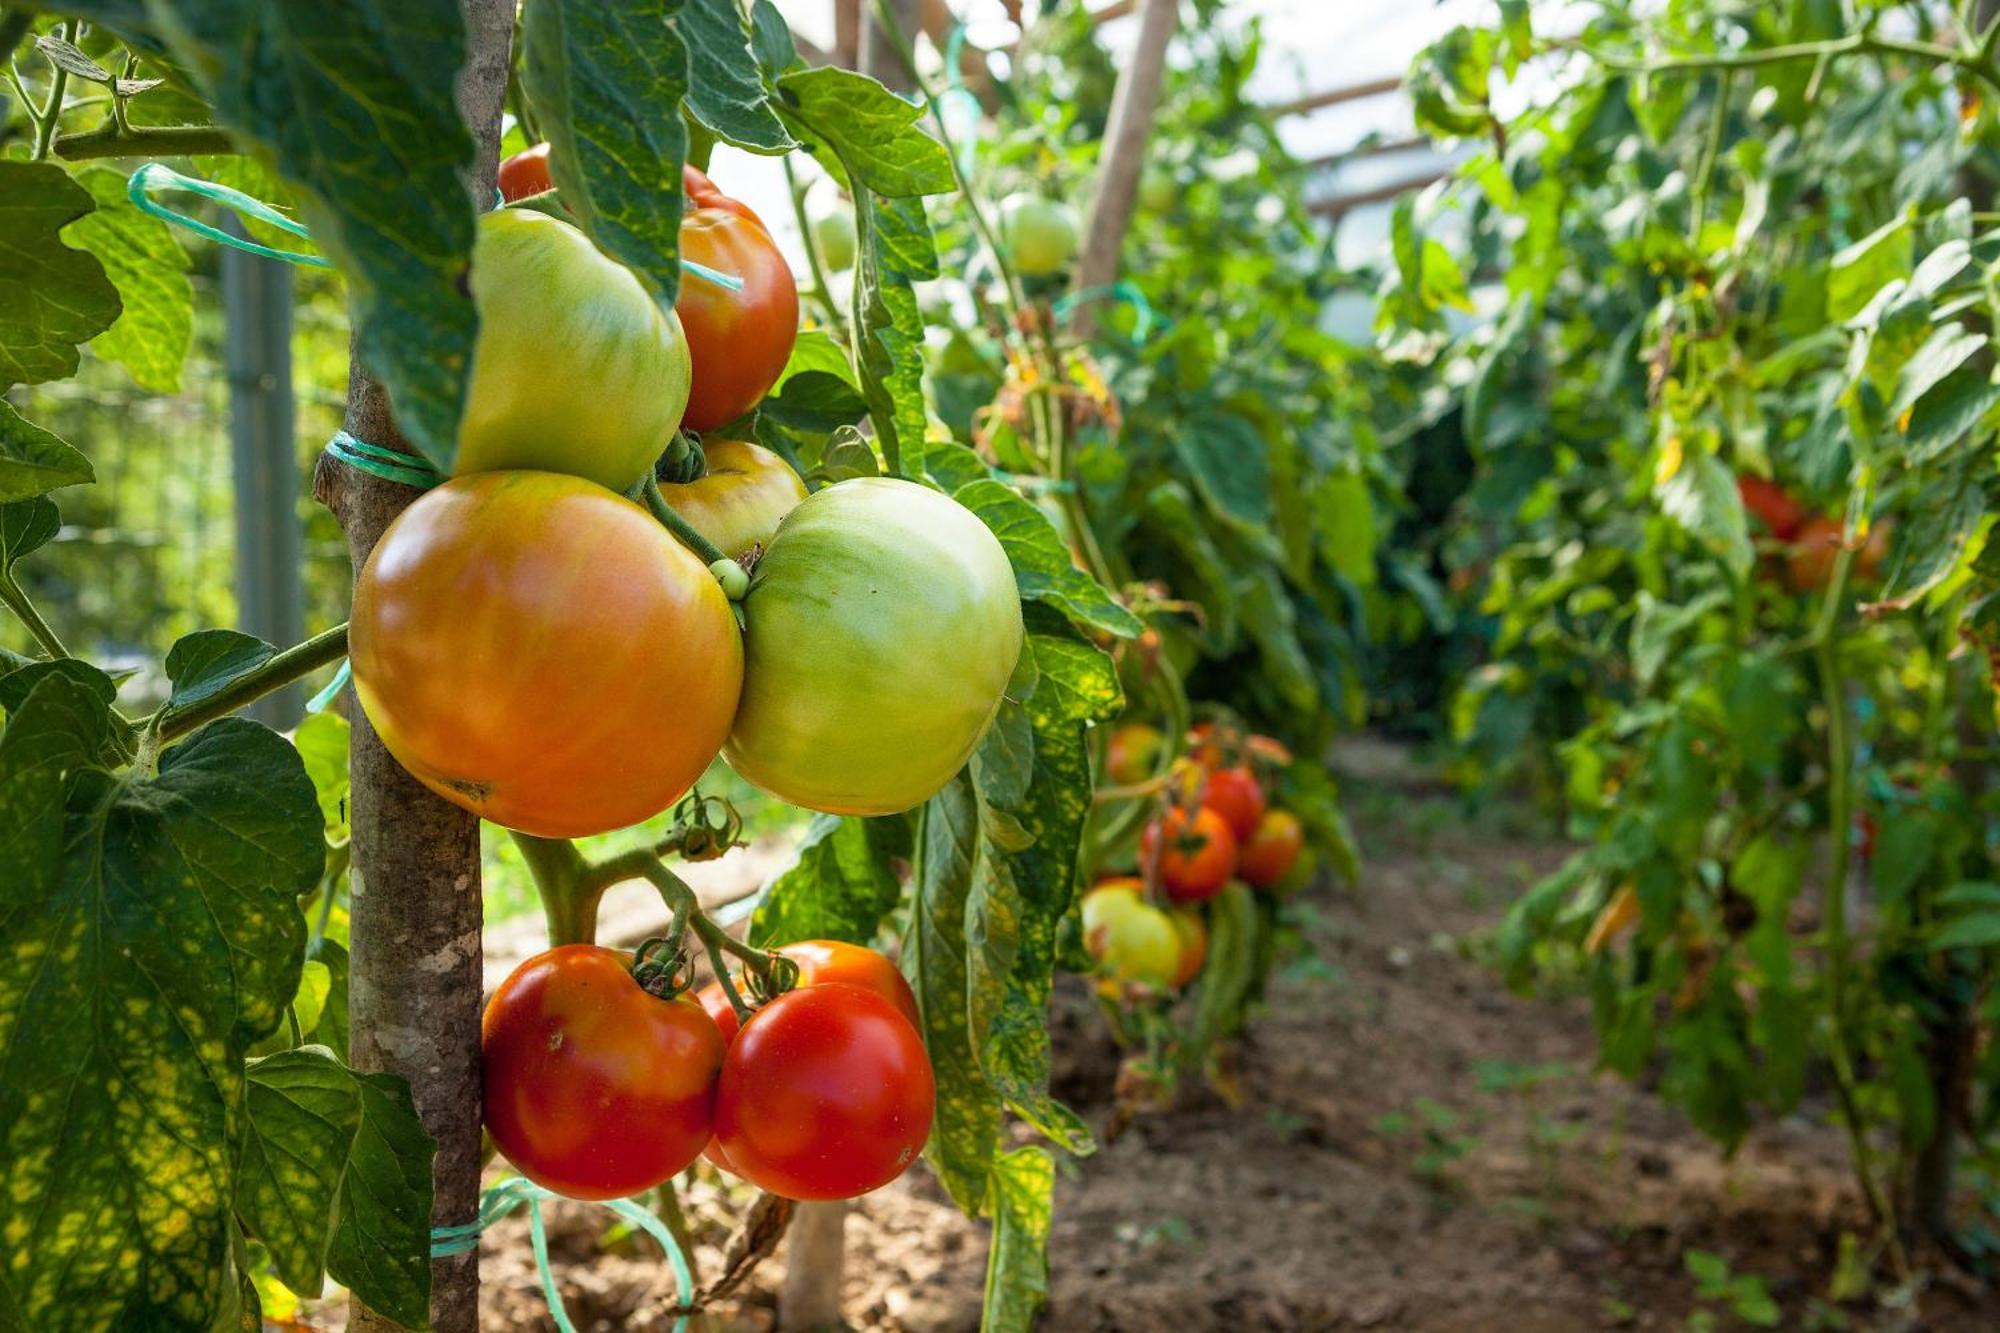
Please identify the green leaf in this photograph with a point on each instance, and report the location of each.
(1701, 497)
(1943, 416)
(771, 40)
(1344, 524)
(353, 105)
(1042, 564)
(322, 741)
(816, 350)
(1228, 975)
(1231, 469)
(149, 269)
(34, 461)
(871, 130)
(203, 663)
(25, 527)
(1856, 273)
(1975, 930)
(1447, 83)
(149, 935)
(17, 684)
(1004, 764)
(331, 1029)
(840, 886)
(1074, 679)
(1949, 347)
(815, 402)
(605, 81)
(336, 1178)
(727, 88)
(1022, 1196)
(52, 296)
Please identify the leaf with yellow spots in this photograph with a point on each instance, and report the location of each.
(336, 1178)
(149, 933)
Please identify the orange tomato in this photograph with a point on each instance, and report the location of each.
(1269, 853)
(738, 503)
(1197, 855)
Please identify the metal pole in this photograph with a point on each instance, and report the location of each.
(270, 536)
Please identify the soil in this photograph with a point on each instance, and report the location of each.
(1417, 1149)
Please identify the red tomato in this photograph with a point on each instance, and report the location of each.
(1814, 551)
(593, 1087)
(1269, 854)
(1771, 504)
(1133, 753)
(1235, 794)
(701, 192)
(541, 652)
(719, 1009)
(826, 1093)
(1196, 859)
(740, 340)
(526, 174)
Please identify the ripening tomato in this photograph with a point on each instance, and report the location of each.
(576, 368)
(593, 1087)
(1194, 944)
(882, 627)
(1269, 853)
(740, 340)
(1235, 794)
(526, 174)
(702, 192)
(1133, 753)
(833, 233)
(1771, 504)
(1130, 939)
(1197, 857)
(541, 652)
(738, 503)
(821, 961)
(826, 1093)
(1038, 234)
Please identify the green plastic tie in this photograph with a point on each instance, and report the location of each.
(515, 1191)
(1123, 293)
(154, 178)
(320, 702)
(389, 464)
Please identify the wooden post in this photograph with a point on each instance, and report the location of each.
(846, 34)
(879, 59)
(414, 989)
(1125, 136)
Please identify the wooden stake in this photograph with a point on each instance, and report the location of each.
(414, 989)
(1131, 122)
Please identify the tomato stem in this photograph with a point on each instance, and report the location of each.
(569, 889)
(276, 672)
(719, 944)
(680, 527)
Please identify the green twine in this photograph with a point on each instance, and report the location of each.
(153, 178)
(511, 1193)
(1122, 292)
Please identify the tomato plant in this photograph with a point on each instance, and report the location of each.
(826, 1093)
(576, 369)
(494, 585)
(882, 627)
(594, 1087)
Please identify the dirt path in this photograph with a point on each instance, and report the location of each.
(1419, 1150)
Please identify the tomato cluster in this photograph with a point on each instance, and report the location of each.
(596, 1087)
(534, 646)
(1812, 541)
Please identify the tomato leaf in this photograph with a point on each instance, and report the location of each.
(726, 92)
(322, 741)
(1042, 564)
(605, 81)
(1022, 1196)
(815, 402)
(25, 527)
(841, 884)
(149, 934)
(353, 105)
(874, 133)
(336, 1178)
(149, 269)
(201, 664)
(34, 461)
(56, 295)
(1229, 972)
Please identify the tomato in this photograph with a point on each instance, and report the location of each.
(1269, 853)
(1039, 234)
(833, 233)
(826, 1093)
(1194, 944)
(1234, 794)
(740, 340)
(1133, 754)
(1158, 190)
(701, 192)
(541, 652)
(717, 1004)
(824, 961)
(1131, 940)
(576, 369)
(883, 625)
(1198, 855)
(738, 503)
(526, 174)
(593, 1087)
(1814, 551)
(1771, 504)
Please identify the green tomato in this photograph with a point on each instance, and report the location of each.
(577, 369)
(1040, 234)
(833, 233)
(882, 626)
(1158, 190)
(1130, 939)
